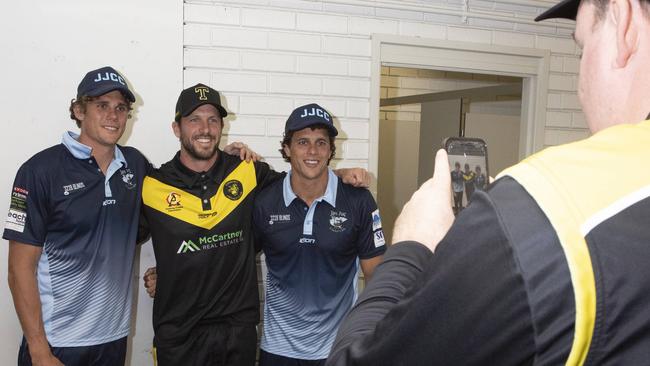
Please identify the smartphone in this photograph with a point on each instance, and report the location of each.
(468, 164)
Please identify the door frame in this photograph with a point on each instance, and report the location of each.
(532, 65)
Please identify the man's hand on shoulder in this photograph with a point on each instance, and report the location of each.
(241, 149)
(427, 216)
(357, 177)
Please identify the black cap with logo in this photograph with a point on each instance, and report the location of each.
(309, 115)
(194, 97)
(101, 81)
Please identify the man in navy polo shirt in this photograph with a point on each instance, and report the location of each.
(72, 229)
(315, 232)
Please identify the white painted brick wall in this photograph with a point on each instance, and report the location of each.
(245, 125)
(354, 130)
(295, 85)
(514, 39)
(275, 126)
(322, 23)
(355, 150)
(346, 46)
(263, 18)
(561, 82)
(266, 61)
(367, 26)
(211, 14)
(270, 56)
(469, 35)
(346, 88)
(322, 65)
(358, 109)
(274, 106)
(359, 68)
(239, 82)
(238, 38)
(211, 58)
(294, 42)
(230, 102)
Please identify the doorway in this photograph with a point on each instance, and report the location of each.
(420, 81)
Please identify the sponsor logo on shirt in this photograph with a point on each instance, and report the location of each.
(279, 218)
(173, 201)
(187, 246)
(376, 220)
(109, 202)
(21, 190)
(127, 178)
(378, 236)
(307, 241)
(16, 220)
(67, 189)
(211, 242)
(207, 215)
(233, 189)
(337, 218)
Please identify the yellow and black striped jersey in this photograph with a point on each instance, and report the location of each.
(201, 230)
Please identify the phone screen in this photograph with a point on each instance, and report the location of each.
(469, 169)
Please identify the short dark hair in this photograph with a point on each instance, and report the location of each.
(83, 103)
(287, 141)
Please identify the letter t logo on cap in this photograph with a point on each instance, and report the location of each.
(202, 91)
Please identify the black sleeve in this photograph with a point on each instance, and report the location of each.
(266, 175)
(143, 227)
(464, 305)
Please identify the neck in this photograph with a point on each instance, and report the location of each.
(309, 189)
(197, 165)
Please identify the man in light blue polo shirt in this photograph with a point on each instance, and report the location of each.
(72, 227)
(316, 232)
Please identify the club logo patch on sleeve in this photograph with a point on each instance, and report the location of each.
(378, 236)
(376, 220)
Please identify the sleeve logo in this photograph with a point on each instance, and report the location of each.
(16, 220)
(376, 220)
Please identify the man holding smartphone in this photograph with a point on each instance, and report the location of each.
(537, 270)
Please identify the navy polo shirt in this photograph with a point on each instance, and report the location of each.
(86, 222)
(312, 256)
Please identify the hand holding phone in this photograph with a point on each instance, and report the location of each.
(469, 168)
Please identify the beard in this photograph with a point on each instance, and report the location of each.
(199, 154)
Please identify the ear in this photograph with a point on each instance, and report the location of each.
(177, 129)
(78, 112)
(627, 35)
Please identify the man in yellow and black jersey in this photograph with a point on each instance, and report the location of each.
(537, 270)
(198, 209)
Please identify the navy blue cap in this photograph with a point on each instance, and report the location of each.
(101, 81)
(309, 115)
(566, 9)
(196, 96)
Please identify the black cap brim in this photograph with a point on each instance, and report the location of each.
(567, 9)
(222, 111)
(109, 88)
